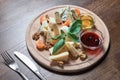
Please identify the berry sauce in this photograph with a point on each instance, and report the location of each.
(90, 39)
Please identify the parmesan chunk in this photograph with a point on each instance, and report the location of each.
(60, 57)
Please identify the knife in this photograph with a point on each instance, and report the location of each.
(29, 64)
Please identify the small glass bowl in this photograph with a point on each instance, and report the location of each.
(91, 39)
(87, 21)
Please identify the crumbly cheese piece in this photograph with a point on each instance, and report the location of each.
(64, 28)
(51, 50)
(74, 52)
(60, 57)
(55, 28)
(52, 20)
(44, 24)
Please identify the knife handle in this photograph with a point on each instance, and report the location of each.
(24, 77)
(40, 75)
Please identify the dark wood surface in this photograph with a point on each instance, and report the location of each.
(15, 15)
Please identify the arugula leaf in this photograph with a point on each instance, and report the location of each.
(58, 45)
(73, 37)
(75, 26)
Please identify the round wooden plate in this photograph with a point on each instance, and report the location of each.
(73, 65)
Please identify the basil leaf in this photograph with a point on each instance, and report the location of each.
(74, 15)
(75, 26)
(73, 37)
(62, 32)
(58, 45)
(57, 37)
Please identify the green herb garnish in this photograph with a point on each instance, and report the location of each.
(73, 37)
(75, 26)
(74, 29)
(58, 45)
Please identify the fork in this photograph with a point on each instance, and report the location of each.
(9, 61)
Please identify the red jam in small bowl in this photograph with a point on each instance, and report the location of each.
(91, 39)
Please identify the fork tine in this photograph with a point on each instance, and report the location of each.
(8, 59)
(5, 59)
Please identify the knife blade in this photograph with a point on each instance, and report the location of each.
(29, 64)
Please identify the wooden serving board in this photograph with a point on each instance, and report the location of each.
(74, 65)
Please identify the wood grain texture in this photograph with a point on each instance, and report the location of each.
(15, 15)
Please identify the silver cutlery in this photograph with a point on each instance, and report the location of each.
(12, 64)
(29, 64)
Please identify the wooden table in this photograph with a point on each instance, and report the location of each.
(15, 15)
